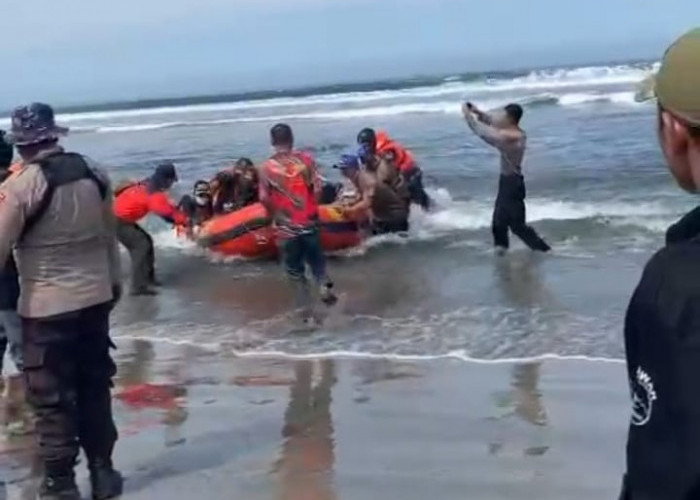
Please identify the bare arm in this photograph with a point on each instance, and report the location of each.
(496, 137)
(482, 116)
(365, 202)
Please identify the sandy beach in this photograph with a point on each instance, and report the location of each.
(216, 426)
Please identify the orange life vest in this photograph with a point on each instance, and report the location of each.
(134, 202)
(403, 158)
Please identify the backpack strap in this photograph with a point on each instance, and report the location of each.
(60, 170)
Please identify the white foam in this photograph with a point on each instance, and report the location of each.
(455, 216)
(577, 99)
(439, 107)
(537, 80)
(460, 355)
(470, 215)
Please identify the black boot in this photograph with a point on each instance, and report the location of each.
(105, 481)
(59, 488)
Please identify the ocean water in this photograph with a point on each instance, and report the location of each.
(598, 191)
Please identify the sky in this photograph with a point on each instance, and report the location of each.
(83, 51)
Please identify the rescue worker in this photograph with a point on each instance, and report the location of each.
(662, 331)
(504, 133)
(10, 323)
(133, 203)
(57, 214)
(197, 207)
(289, 186)
(387, 210)
(380, 145)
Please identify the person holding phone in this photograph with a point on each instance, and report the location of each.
(502, 131)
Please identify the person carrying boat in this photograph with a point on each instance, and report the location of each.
(134, 202)
(289, 186)
(388, 211)
(378, 146)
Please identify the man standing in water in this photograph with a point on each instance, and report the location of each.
(289, 185)
(662, 328)
(57, 214)
(504, 133)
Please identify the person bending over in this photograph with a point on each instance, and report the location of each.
(133, 203)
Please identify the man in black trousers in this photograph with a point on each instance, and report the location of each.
(504, 133)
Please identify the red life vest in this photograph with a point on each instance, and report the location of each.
(290, 180)
(403, 159)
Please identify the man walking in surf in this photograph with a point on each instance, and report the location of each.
(504, 133)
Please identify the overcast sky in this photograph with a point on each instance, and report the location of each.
(74, 51)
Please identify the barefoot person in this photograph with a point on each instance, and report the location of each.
(56, 212)
(289, 186)
(504, 133)
(662, 328)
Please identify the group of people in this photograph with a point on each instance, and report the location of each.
(382, 177)
(60, 223)
(61, 219)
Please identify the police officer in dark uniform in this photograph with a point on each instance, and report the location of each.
(662, 326)
(57, 215)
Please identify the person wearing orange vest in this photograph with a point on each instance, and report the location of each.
(380, 144)
(133, 203)
(289, 186)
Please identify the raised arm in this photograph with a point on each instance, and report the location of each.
(496, 137)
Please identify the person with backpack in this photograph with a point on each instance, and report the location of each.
(132, 203)
(56, 212)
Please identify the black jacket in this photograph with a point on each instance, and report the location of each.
(9, 281)
(662, 342)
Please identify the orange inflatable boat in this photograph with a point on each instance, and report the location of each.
(248, 232)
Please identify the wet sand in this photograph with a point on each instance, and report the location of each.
(218, 427)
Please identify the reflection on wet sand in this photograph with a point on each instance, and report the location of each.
(138, 393)
(520, 281)
(305, 466)
(523, 401)
(527, 397)
(19, 464)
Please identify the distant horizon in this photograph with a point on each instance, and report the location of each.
(408, 80)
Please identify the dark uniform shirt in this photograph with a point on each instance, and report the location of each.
(662, 341)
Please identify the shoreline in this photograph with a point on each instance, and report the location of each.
(193, 422)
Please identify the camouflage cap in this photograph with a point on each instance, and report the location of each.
(34, 124)
(677, 83)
